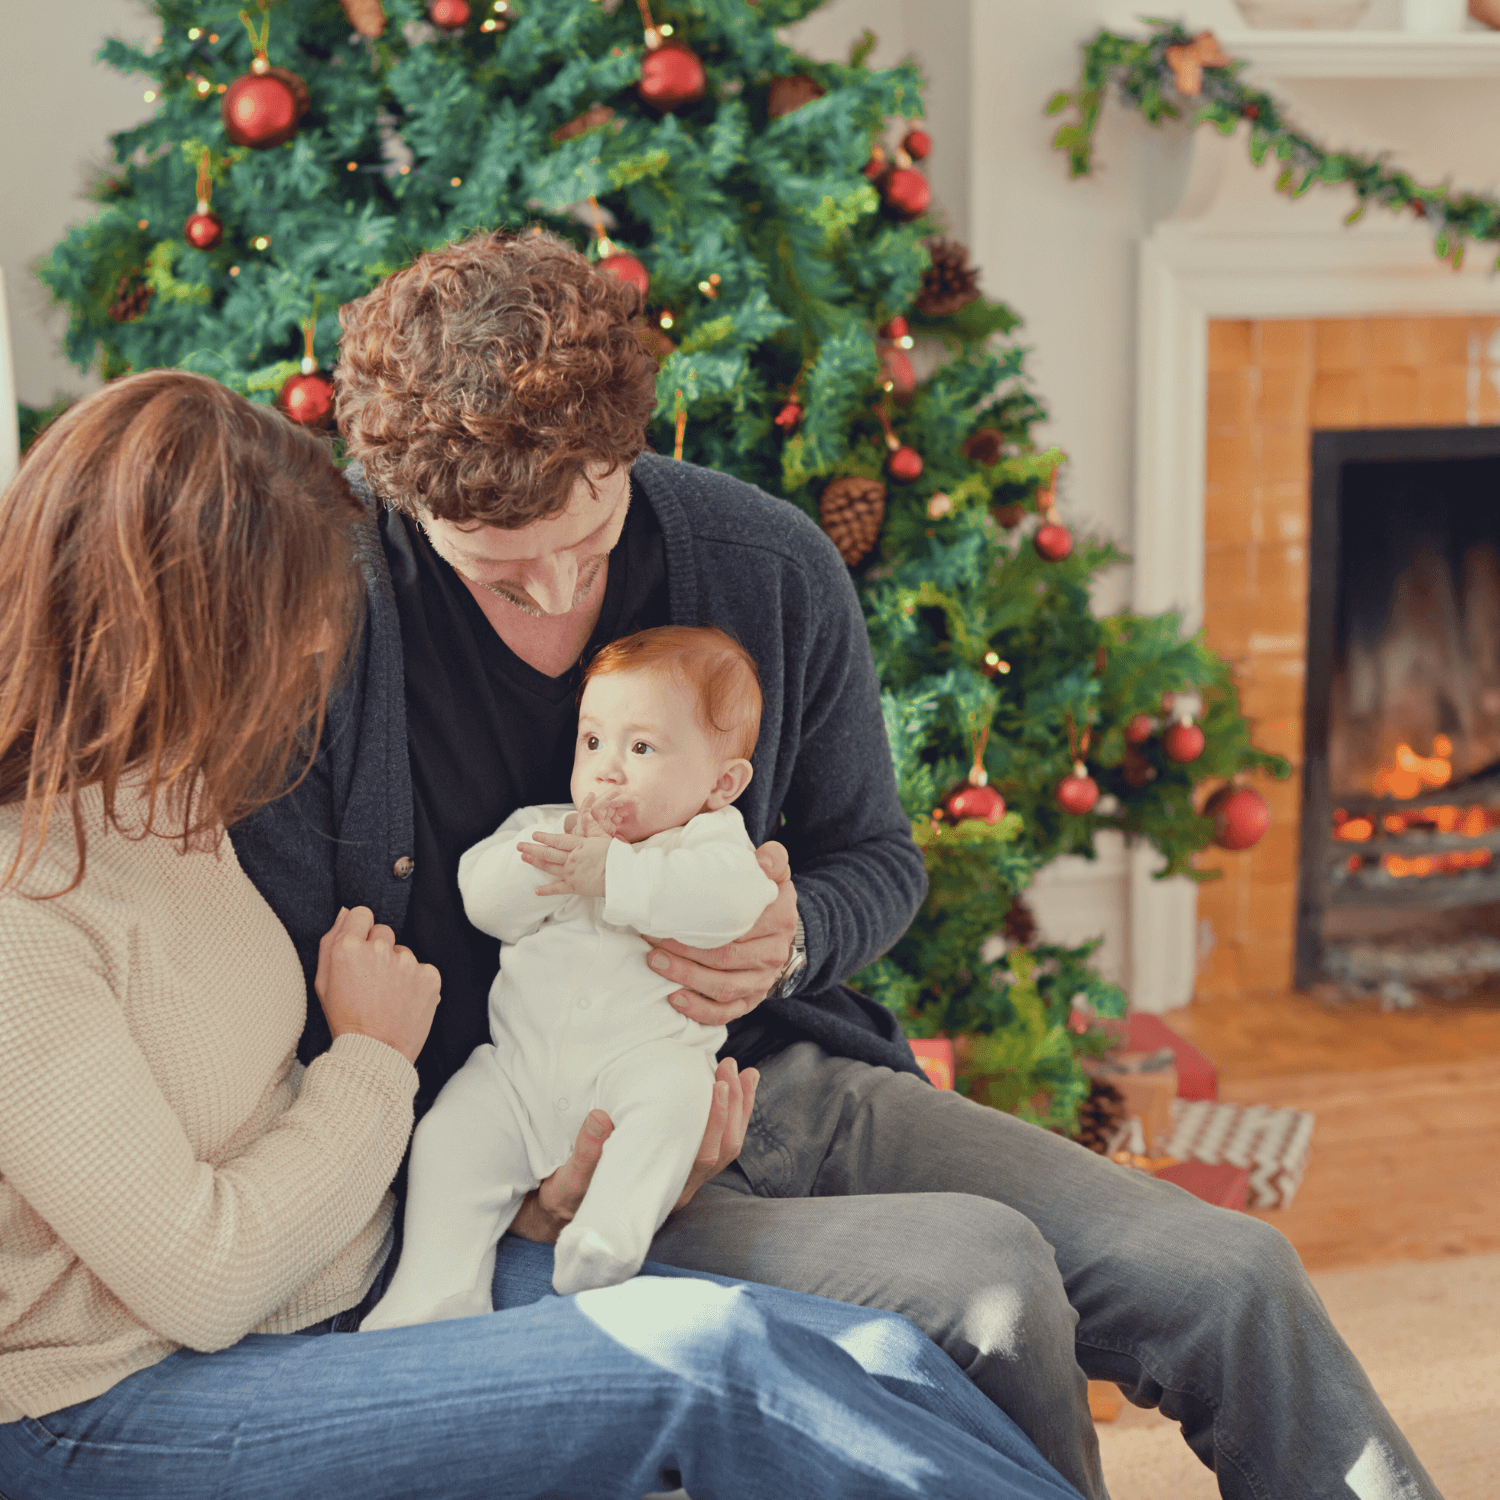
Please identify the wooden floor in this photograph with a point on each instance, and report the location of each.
(1406, 1152)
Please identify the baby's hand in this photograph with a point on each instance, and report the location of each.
(599, 817)
(574, 862)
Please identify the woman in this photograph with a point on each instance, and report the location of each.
(179, 1198)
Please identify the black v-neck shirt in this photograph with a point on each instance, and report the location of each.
(487, 734)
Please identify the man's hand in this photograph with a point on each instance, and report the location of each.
(722, 984)
(574, 862)
(546, 1212)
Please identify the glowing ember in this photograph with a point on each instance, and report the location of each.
(1412, 774)
(1407, 778)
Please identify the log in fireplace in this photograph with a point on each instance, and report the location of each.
(1399, 871)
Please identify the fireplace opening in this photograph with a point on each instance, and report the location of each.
(1399, 876)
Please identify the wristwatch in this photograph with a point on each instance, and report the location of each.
(791, 975)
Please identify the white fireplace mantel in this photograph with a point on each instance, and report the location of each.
(1217, 259)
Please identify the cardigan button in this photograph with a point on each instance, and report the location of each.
(403, 867)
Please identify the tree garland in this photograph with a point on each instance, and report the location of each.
(1173, 71)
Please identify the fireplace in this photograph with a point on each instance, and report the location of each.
(1399, 861)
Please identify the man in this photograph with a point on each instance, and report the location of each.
(497, 397)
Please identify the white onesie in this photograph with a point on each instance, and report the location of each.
(578, 1021)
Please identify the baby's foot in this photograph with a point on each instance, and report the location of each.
(585, 1260)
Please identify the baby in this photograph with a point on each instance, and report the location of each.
(667, 723)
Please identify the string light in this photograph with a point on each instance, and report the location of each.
(666, 320)
(354, 166)
(710, 288)
(194, 32)
(234, 270)
(404, 169)
(455, 182)
(665, 28)
(220, 88)
(490, 25)
(213, 36)
(261, 242)
(150, 96)
(141, 223)
(204, 87)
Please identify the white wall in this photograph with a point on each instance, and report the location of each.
(59, 107)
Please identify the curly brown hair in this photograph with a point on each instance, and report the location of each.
(481, 382)
(178, 596)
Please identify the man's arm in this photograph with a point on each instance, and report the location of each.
(859, 878)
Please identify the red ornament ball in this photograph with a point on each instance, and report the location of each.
(905, 465)
(449, 14)
(628, 268)
(970, 801)
(907, 193)
(896, 367)
(203, 231)
(671, 75)
(1054, 542)
(1079, 792)
(261, 108)
(917, 145)
(1139, 729)
(789, 415)
(1183, 742)
(1241, 816)
(307, 399)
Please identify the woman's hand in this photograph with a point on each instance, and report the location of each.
(719, 985)
(369, 984)
(546, 1212)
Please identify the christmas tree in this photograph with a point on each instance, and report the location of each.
(774, 215)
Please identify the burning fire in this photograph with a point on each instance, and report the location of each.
(1411, 775)
(1415, 773)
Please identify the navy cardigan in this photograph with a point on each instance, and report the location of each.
(736, 558)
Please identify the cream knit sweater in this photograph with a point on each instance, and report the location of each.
(169, 1173)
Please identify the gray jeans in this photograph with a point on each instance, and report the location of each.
(1035, 1264)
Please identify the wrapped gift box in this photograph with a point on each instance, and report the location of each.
(1196, 1075)
(1223, 1185)
(1271, 1145)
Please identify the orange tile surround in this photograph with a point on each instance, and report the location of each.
(1270, 384)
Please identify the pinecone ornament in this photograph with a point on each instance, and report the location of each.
(1020, 925)
(1100, 1116)
(852, 508)
(950, 283)
(132, 297)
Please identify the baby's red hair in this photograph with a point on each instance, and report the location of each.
(712, 665)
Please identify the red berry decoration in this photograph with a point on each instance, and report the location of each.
(449, 14)
(917, 145)
(788, 417)
(627, 268)
(1241, 816)
(905, 465)
(203, 230)
(896, 368)
(1079, 792)
(1183, 742)
(307, 398)
(671, 75)
(907, 193)
(971, 801)
(261, 108)
(1139, 729)
(1054, 542)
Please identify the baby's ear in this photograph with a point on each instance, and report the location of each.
(733, 779)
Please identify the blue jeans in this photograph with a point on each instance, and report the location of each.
(730, 1390)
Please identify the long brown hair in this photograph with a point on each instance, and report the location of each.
(169, 555)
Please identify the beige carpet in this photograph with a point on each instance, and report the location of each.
(1428, 1335)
